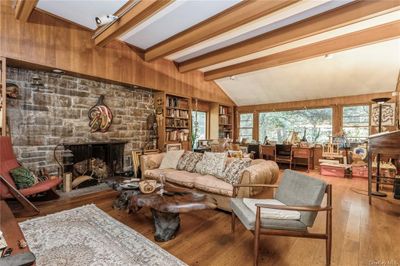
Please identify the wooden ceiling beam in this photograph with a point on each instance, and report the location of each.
(339, 17)
(238, 15)
(368, 36)
(139, 13)
(24, 8)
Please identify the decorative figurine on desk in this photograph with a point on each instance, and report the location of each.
(266, 141)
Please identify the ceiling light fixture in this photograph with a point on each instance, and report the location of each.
(328, 56)
(232, 77)
(104, 20)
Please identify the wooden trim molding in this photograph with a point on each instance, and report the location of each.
(239, 14)
(348, 41)
(315, 103)
(339, 17)
(24, 9)
(141, 11)
(47, 42)
(3, 87)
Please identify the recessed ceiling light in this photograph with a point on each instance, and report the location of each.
(328, 56)
(58, 71)
(232, 77)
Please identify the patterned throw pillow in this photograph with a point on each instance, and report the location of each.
(23, 178)
(183, 160)
(234, 170)
(213, 163)
(171, 159)
(193, 160)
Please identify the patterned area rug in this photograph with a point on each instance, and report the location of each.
(88, 236)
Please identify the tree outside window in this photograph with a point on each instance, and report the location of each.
(316, 124)
(356, 123)
(246, 126)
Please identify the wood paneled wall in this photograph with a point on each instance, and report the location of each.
(54, 43)
(335, 103)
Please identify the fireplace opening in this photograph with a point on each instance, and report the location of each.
(89, 164)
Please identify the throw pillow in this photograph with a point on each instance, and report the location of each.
(183, 160)
(171, 159)
(193, 160)
(234, 170)
(23, 178)
(213, 163)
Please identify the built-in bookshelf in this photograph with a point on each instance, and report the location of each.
(176, 114)
(225, 119)
(221, 121)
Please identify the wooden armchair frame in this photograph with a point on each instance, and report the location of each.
(258, 230)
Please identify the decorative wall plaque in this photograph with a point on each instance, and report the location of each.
(100, 116)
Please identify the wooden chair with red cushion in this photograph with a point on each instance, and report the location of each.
(8, 189)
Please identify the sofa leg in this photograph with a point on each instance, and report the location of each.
(233, 222)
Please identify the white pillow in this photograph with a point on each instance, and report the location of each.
(171, 159)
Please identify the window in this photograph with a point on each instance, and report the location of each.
(316, 124)
(246, 126)
(199, 126)
(356, 123)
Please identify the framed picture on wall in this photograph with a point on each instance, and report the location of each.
(388, 114)
(174, 147)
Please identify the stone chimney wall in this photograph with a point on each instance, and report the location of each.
(57, 112)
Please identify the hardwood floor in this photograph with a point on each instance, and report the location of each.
(362, 234)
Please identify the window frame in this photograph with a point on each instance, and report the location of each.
(206, 125)
(294, 110)
(369, 120)
(251, 128)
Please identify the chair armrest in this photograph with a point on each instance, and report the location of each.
(294, 208)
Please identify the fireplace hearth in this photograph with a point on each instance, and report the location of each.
(91, 163)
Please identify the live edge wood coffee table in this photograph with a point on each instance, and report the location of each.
(167, 207)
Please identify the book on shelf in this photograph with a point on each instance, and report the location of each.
(177, 135)
(178, 113)
(177, 102)
(223, 110)
(224, 120)
(172, 122)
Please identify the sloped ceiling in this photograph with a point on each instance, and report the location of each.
(363, 70)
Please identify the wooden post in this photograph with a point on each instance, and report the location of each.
(3, 97)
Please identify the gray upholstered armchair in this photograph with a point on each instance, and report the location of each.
(297, 201)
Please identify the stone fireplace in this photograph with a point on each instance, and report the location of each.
(56, 113)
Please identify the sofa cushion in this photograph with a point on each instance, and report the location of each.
(271, 213)
(183, 178)
(171, 159)
(212, 184)
(183, 160)
(193, 160)
(248, 218)
(233, 170)
(156, 173)
(213, 163)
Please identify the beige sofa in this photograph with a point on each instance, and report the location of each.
(260, 172)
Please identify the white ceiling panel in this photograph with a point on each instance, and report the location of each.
(390, 17)
(283, 17)
(363, 70)
(175, 18)
(82, 12)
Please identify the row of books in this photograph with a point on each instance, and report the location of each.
(177, 135)
(224, 110)
(224, 120)
(175, 102)
(171, 122)
(178, 113)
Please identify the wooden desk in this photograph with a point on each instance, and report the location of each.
(10, 228)
(383, 143)
(268, 152)
(303, 153)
